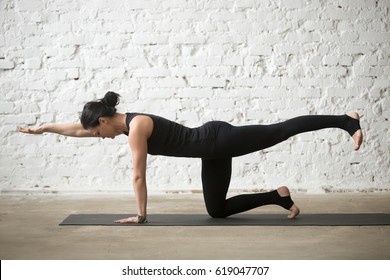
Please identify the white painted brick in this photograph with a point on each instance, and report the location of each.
(384, 3)
(98, 63)
(72, 39)
(297, 104)
(104, 39)
(168, 4)
(150, 83)
(379, 71)
(30, 5)
(188, 116)
(314, 61)
(30, 108)
(228, 16)
(330, 60)
(158, 93)
(194, 93)
(336, 13)
(374, 37)
(309, 93)
(56, 76)
(202, 61)
(23, 119)
(287, 49)
(226, 39)
(149, 39)
(33, 63)
(354, 49)
(222, 71)
(233, 60)
(359, 3)
(57, 27)
(265, 39)
(303, 38)
(67, 64)
(114, 27)
(271, 81)
(349, 37)
(207, 82)
(134, 63)
(248, 82)
(151, 72)
(241, 27)
(6, 107)
(172, 82)
(345, 60)
(221, 104)
(261, 50)
(169, 26)
(270, 93)
(189, 71)
(333, 71)
(293, 4)
(300, 14)
(34, 85)
(383, 83)
(46, 118)
(190, 39)
(141, 4)
(365, 82)
(6, 64)
(43, 40)
(73, 73)
(342, 92)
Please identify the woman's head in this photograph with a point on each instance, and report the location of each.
(96, 113)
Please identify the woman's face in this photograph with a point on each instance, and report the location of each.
(104, 129)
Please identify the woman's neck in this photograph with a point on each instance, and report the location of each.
(118, 121)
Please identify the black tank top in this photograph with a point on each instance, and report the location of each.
(172, 139)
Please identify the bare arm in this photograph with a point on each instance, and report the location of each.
(138, 146)
(140, 130)
(66, 129)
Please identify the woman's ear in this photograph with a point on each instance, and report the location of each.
(102, 120)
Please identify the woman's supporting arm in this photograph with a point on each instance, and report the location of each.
(140, 130)
(66, 129)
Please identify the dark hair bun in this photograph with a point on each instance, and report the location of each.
(110, 99)
(104, 107)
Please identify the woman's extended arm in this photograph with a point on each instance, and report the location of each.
(140, 130)
(66, 129)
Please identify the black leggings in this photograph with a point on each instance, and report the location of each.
(232, 141)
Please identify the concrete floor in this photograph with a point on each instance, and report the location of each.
(29, 230)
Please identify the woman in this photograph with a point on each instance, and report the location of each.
(216, 143)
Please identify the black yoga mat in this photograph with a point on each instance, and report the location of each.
(358, 219)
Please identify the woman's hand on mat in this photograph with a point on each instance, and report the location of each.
(35, 130)
(128, 220)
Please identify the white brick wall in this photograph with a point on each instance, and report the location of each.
(242, 61)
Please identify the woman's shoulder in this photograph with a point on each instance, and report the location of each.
(135, 115)
(139, 121)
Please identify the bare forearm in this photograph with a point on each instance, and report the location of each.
(141, 196)
(66, 129)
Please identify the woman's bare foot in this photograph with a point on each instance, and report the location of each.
(284, 191)
(358, 135)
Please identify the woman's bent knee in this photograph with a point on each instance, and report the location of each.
(216, 213)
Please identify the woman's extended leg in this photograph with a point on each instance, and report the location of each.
(216, 175)
(235, 141)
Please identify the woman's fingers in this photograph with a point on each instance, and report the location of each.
(22, 129)
(29, 130)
